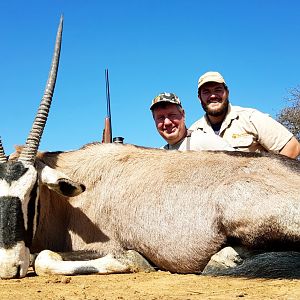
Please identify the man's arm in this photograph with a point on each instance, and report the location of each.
(291, 148)
(273, 136)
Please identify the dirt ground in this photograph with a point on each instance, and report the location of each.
(152, 286)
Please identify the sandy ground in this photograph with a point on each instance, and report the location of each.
(154, 285)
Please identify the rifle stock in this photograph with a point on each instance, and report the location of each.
(107, 135)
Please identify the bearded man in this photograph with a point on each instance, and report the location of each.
(245, 129)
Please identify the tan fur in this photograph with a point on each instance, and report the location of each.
(175, 208)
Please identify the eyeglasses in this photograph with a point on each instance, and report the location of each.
(172, 117)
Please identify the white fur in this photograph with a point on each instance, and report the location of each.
(228, 257)
(50, 176)
(48, 262)
(12, 258)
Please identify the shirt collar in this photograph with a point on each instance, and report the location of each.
(205, 125)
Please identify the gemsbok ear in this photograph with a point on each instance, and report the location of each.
(59, 182)
(67, 187)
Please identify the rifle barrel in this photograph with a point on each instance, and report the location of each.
(107, 132)
(107, 94)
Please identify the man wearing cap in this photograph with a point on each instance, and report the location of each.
(245, 129)
(169, 118)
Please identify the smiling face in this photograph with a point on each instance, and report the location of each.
(170, 122)
(214, 99)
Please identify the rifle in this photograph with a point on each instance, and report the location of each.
(107, 131)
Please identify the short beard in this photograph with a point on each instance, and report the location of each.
(216, 113)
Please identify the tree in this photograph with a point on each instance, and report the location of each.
(290, 116)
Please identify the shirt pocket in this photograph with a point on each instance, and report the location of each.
(241, 140)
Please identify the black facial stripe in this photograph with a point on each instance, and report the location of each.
(30, 216)
(12, 171)
(11, 222)
(38, 213)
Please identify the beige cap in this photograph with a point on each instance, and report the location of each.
(210, 77)
(165, 97)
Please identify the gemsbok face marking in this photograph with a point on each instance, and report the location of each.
(18, 198)
(18, 214)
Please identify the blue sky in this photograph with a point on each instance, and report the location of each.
(149, 46)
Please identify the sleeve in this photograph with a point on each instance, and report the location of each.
(270, 134)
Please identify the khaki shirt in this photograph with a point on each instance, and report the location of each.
(249, 130)
(198, 140)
